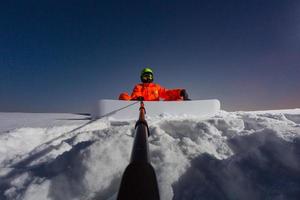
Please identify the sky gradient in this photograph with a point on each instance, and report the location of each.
(62, 56)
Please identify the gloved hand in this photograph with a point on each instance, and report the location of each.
(184, 94)
(140, 98)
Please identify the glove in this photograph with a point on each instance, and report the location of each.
(140, 98)
(184, 94)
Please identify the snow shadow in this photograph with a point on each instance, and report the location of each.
(264, 166)
(63, 163)
(293, 118)
(66, 173)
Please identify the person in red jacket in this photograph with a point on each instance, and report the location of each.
(149, 91)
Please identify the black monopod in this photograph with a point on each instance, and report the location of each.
(139, 180)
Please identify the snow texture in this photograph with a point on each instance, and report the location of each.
(233, 155)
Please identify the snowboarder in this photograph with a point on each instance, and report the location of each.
(149, 91)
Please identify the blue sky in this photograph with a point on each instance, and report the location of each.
(62, 56)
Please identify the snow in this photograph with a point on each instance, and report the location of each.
(18, 120)
(233, 155)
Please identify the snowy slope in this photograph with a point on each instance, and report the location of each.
(234, 155)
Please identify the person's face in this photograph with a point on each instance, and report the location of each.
(147, 78)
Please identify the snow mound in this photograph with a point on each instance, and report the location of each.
(233, 155)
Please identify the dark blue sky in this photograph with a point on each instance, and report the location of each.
(61, 56)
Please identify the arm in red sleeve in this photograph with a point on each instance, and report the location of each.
(137, 92)
(169, 95)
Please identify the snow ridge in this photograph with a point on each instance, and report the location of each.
(233, 155)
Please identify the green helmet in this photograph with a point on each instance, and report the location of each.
(146, 70)
(147, 75)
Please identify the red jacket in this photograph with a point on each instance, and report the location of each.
(152, 92)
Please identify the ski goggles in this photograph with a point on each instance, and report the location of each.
(146, 76)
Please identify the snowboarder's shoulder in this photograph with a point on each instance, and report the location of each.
(138, 85)
(155, 85)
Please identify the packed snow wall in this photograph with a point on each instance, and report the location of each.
(127, 110)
